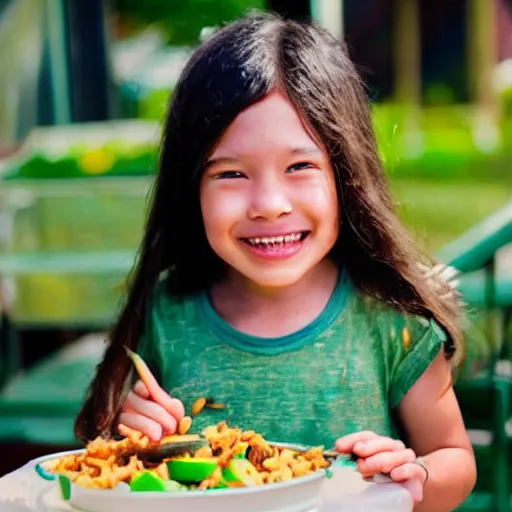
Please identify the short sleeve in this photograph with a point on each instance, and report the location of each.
(416, 344)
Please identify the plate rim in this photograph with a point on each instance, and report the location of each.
(216, 494)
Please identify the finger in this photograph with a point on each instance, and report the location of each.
(151, 410)
(379, 444)
(176, 408)
(140, 423)
(157, 393)
(384, 462)
(172, 405)
(412, 478)
(346, 444)
(407, 472)
(140, 389)
(415, 489)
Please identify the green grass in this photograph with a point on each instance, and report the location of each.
(438, 212)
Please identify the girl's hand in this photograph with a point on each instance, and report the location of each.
(379, 454)
(153, 416)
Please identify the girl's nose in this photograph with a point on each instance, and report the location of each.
(269, 201)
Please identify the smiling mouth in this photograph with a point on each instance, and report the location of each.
(277, 241)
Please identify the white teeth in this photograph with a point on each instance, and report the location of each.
(294, 237)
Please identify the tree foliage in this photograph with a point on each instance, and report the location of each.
(183, 20)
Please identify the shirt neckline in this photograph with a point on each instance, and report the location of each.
(280, 344)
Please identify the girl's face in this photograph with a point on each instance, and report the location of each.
(268, 196)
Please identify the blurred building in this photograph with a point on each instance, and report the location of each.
(427, 50)
(445, 29)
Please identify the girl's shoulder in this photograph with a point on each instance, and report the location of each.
(390, 321)
(408, 343)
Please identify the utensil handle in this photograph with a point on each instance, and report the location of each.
(380, 478)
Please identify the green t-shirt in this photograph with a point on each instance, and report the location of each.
(346, 371)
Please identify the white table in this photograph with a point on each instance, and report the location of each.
(23, 491)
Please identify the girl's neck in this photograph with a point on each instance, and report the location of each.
(276, 312)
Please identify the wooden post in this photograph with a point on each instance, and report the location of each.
(482, 56)
(407, 65)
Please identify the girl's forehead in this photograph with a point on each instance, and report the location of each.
(271, 123)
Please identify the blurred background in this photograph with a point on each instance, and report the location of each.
(83, 90)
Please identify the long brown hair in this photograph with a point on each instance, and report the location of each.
(238, 66)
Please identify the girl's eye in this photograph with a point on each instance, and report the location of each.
(300, 166)
(229, 175)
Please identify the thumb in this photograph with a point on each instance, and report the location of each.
(415, 489)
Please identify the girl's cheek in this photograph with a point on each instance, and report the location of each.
(227, 209)
(222, 214)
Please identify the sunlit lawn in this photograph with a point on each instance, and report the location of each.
(437, 212)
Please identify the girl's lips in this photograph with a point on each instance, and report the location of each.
(276, 250)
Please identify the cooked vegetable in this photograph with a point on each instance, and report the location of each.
(231, 458)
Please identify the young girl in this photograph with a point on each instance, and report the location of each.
(275, 278)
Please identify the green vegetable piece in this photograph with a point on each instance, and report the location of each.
(241, 470)
(191, 470)
(146, 481)
(65, 487)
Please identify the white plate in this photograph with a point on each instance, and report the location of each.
(297, 495)
(53, 502)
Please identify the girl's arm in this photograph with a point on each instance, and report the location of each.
(433, 423)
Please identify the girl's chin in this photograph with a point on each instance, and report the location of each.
(271, 280)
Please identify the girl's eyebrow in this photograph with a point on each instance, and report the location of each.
(220, 160)
(306, 150)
